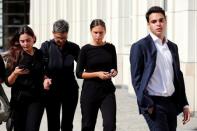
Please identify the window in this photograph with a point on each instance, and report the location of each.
(15, 14)
(1, 24)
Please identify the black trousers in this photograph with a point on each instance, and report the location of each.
(69, 104)
(164, 117)
(68, 101)
(89, 110)
(52, 106)
(27, 115)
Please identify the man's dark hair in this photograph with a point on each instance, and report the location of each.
(61, 26)
(154, 9)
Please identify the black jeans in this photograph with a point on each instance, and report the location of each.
(68, 101)
(164, 117)
(89, 109)
(52, 106)
(28, 115)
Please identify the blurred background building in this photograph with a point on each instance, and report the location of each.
(125, 22)
(13, 14)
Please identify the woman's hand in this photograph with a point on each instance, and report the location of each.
(17, 71)
(113, 72)
(20, 71)
(47, 82)
(103, 75)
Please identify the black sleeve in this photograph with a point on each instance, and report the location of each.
(76, 52)
(7, 74)
(81, 63)
(45, 55)
(2, 69)
(114, 58)
(137, 68)
(183, 97)
(44, 49)
(137, 65)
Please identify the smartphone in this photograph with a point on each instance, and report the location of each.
(22, 66)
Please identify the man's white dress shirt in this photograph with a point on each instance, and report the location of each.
(161, 81)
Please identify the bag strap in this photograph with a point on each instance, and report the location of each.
(2, 93)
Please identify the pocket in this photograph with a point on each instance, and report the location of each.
(153, 115)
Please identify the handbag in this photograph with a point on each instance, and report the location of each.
(10, 122)
(4, 106)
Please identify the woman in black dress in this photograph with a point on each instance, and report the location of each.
(25, 76)
(97, 64)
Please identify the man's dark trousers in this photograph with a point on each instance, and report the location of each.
(164, 116)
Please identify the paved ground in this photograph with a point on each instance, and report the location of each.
(128, 118)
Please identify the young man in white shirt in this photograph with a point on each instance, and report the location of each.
(156, 76)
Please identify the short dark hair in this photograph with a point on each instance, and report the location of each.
(97, 22)
(154, 9)
(60, 26)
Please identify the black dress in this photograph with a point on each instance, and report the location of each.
(26, 93)
(96, 93)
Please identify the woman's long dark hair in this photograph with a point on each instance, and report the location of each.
(15, 49)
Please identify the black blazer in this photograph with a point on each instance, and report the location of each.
(143, 60)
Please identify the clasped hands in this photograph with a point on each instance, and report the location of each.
(107, 75)
(47, 82)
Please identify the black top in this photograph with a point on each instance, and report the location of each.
(59, 62)
(97, 58)
(29, 84)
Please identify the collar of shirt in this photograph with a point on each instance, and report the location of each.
(163, 74)
(157, 40)
(158, 43)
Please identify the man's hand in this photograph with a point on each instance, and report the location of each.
(186, 115)
(150, 110)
